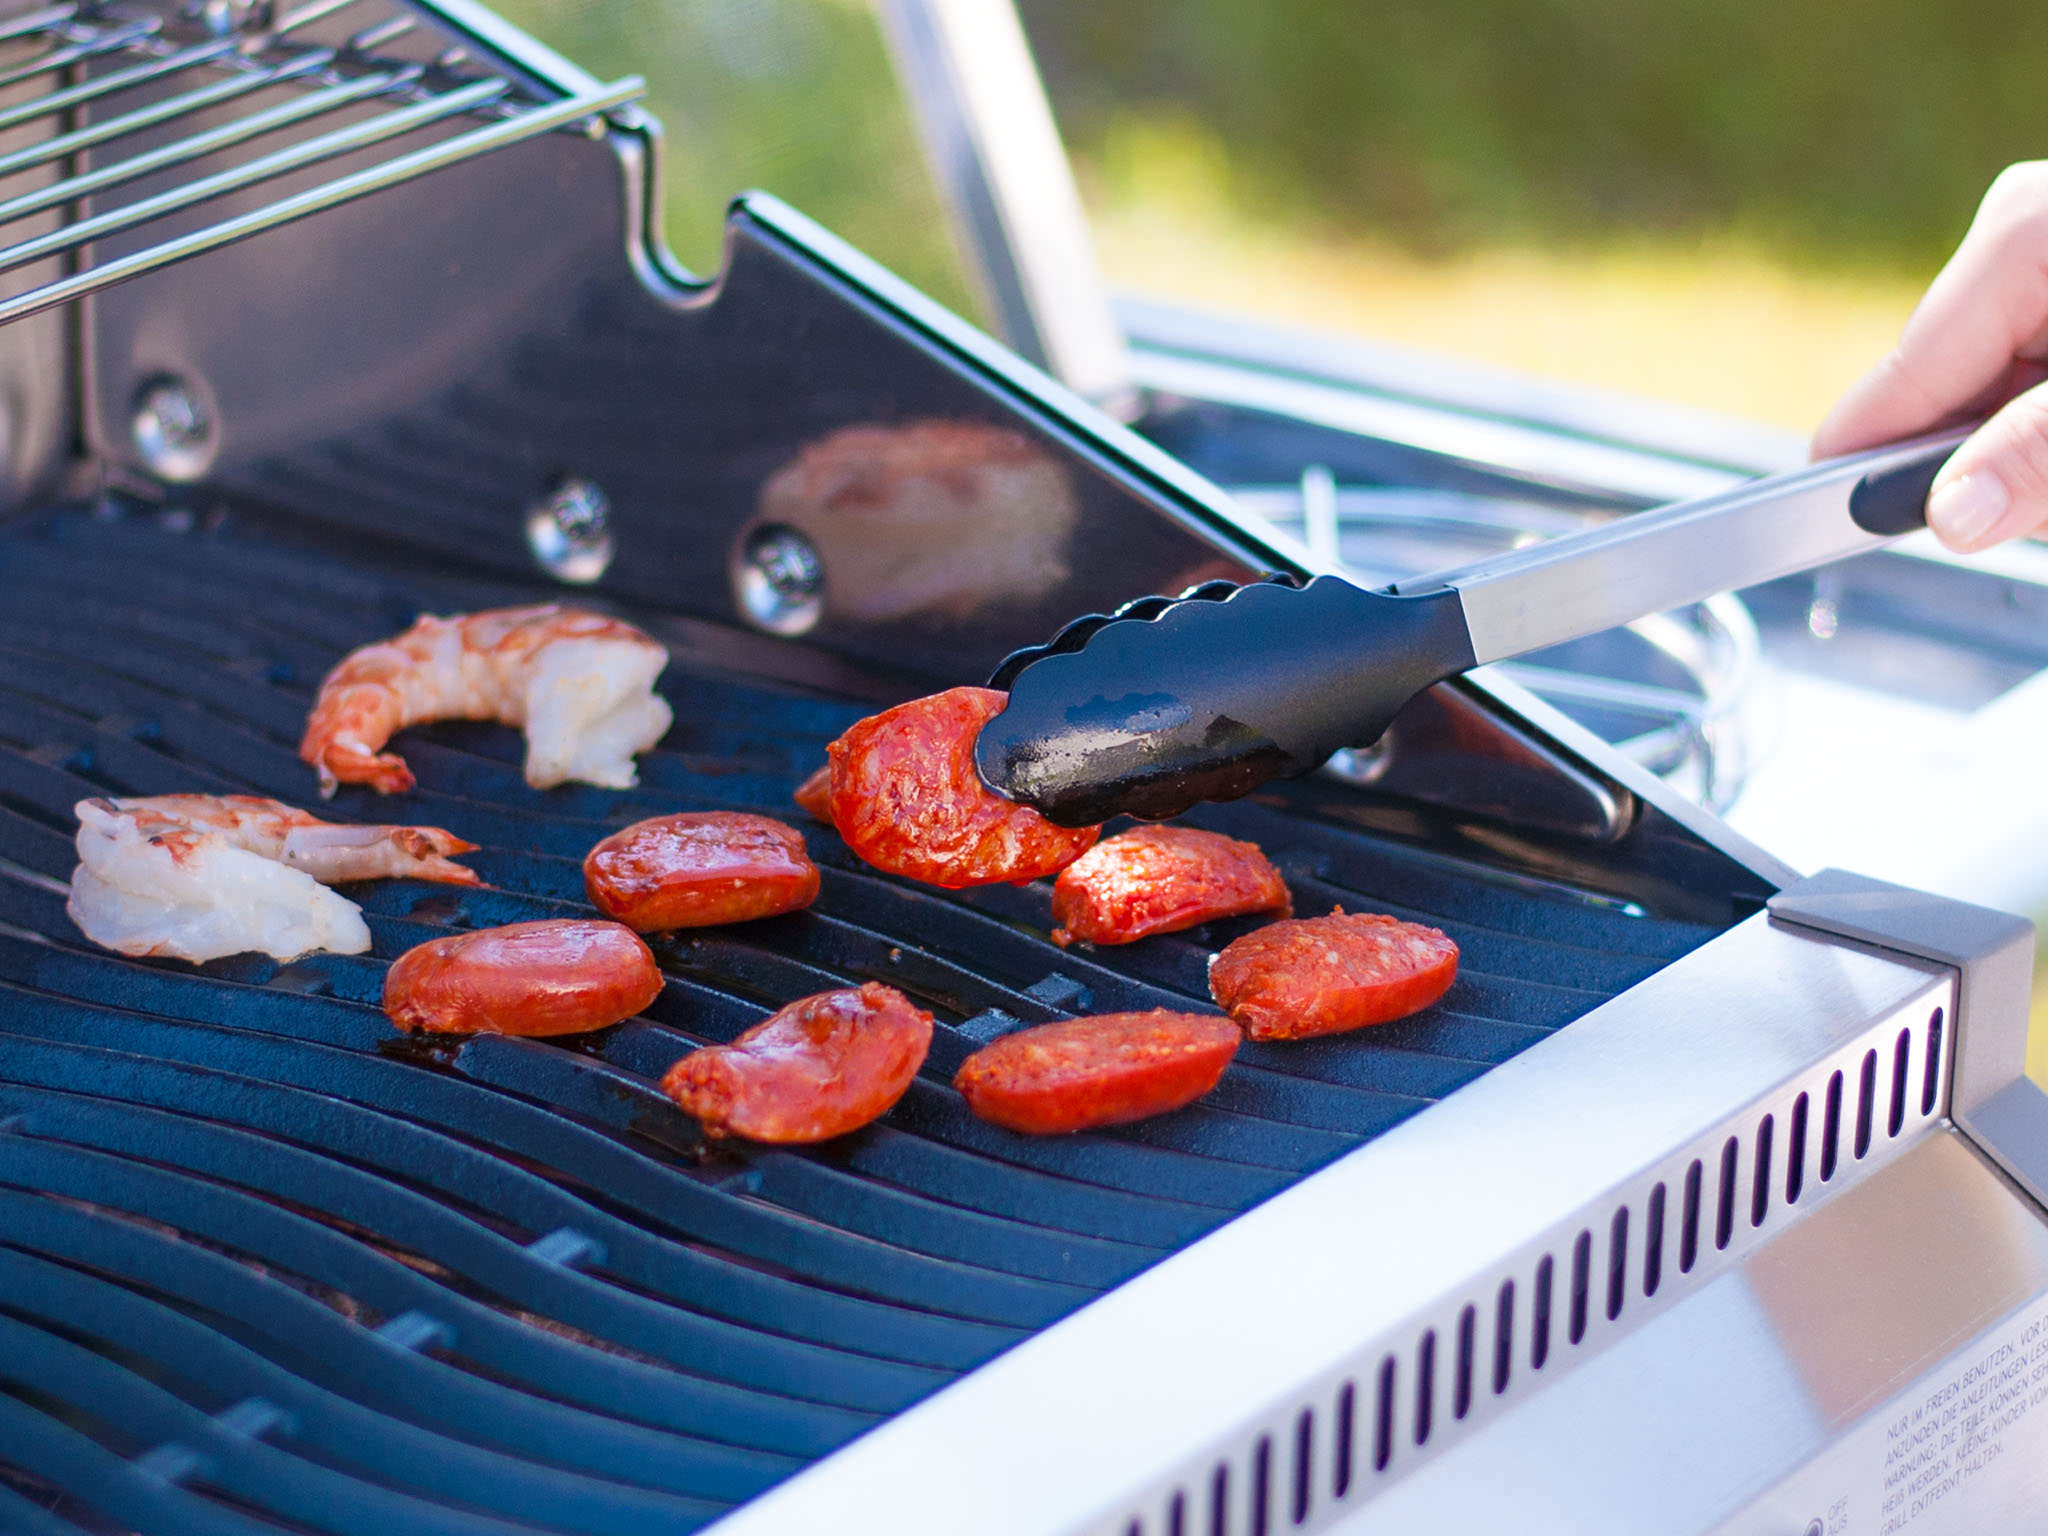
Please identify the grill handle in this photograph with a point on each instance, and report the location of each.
(1652, 561)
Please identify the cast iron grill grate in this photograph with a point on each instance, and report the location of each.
(266, 1264)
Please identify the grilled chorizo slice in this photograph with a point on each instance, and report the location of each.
(1105, 1070)
(815, 794)
(823, 1066)
(559, 977)
(1324, 975)
(698, 868)
(1160, 879)
(906, 797)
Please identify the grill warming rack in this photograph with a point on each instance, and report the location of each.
(283, 88)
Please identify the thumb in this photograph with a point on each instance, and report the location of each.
(1995, 486)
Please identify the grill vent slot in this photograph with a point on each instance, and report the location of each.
(1582, 1261)
(1902, 1062)
(1930, 1081)
(1304, 1463)
(1347, 1409)
(1866, 1104)
(1739, 1186)
(1653, 1243)
(1461, 1383)
(1425, 1386)
(1760, 1176)
(1503, 1337)
(1383, 1422)
(1831, 1129)
(134, 124)
(1795, 1153)
(1689, 1232)
(1617, 1261)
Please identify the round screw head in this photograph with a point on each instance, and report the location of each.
(779, 581)
(569, 532)
(173, 428)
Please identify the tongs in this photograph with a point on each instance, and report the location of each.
(1171, 701)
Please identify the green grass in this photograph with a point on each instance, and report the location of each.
(1823, 132)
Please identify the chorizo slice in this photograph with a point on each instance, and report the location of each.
(1160, 879)
(698, 868)
(1105, 1070)
(559, 977)
(823, 1066)
(907, 799)
(1323, 975)
(814, 795)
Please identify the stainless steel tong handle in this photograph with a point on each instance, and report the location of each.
(1648, 562)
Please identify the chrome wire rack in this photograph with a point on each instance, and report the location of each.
(132, 134)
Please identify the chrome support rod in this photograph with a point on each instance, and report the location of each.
(170, 107)
(343, 189)
(183, 150)
(326, 147)
(74, 53)
(305, 15)
(36, 21)
(380, 34)
(119, 80)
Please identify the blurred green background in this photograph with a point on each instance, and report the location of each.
(1730, 203)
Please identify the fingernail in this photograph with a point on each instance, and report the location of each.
(1968, 507)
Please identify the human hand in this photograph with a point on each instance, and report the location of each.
(1977, 342)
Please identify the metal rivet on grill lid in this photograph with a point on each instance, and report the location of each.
(569, 531)
(175, 430)
(778, 581)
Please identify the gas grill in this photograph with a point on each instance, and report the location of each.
(1704, 1200)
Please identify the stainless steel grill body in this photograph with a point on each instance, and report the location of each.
(1670, 1218)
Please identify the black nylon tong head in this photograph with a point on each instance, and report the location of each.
(1171, 701)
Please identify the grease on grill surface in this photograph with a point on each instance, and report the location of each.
(221, 1182)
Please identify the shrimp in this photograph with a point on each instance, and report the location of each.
(195, 877)
(580, 683)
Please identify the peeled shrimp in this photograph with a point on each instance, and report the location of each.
(195, 877)
(580, 683)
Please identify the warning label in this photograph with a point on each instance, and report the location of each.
(1934, 1449)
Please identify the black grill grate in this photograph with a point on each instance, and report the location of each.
(266, 1264)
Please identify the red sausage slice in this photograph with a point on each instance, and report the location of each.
(906, 797)
(1159, 880)
(551, 978)
(698, 868)
(823, 1066)
(1324, 975)
(815, 794)
(1106, 1070)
